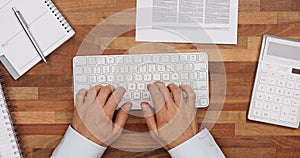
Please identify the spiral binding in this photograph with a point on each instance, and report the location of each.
(11, 129)
(54, 10)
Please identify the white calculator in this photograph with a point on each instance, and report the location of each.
(276, 91)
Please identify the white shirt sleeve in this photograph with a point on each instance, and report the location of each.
(77, 146)
(201, 145)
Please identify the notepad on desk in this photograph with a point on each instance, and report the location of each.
(47, 25)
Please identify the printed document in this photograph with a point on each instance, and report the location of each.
(187, 21)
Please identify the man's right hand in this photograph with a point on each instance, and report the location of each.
(175, 119)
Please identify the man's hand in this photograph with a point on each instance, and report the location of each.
(94, 112)
(175, 120)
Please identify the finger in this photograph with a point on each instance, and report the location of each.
(80, 96)
(149, 116)
(113, 101)
(122, 115)
(176, 92)
(157, 97)
(165, 92)
(104, 94)
(92, 94)
(190, 95)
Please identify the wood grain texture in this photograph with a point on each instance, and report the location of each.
(42, 99)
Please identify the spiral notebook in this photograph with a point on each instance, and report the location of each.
(45, 22)
(9, 145)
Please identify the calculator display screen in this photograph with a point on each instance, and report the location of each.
(284, 51)
(296, 71)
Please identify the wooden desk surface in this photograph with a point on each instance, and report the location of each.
(43, 98)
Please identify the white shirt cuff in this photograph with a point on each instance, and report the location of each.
(77, 146)
(201, 145)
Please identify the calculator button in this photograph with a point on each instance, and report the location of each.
(260, 96)
(257, 113)
(278, 99)
(258, 104)
(279, 91)
(275, 116)
(273, 81)
(263, 79)
(290, 84)
(296, 103)
(297, 86)
(297, 94)
(266, 114)
(261, 88)
(276, 108)
(269, 97)
(292, 119)
(281, 83)
(289, 93)
(287, 101)
(294, 110)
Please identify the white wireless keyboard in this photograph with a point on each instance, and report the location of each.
(135, 71)
(276, 92)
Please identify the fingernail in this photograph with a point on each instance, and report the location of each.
(148, 86)
(127, 106)
(144, 106)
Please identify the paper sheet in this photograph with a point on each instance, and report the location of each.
(187, 21)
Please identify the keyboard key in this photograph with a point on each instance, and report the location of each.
(184, 76)
(201, 93)
(115, 69)
(87, 70)
(78, 70)
(161, 68)
(105, 69)
(143, 68)
(128, 77)
(276, 108)
(152, 68)
(165, 77)
(193, 57)
(294, 110)
(287, 101)
(165, 59)
(179, 67)
(128, 60)
(110, 78)
(259, 95)
(97, 70)
(101, 78)
(138, 77)
(131, 86)
(279, 91)
(80, 61)
(188, 67)
(269, 97)
(261, 88)
(200, 66)
(120, 78)
(140, 86)
(137, 59)
(156, 77)
(122, 84)
(193, 76)
(147, 59)
(174, 58)
(183, 58)
(290, 84)
(119, 60)
(136, 95)
(92, 61)
(146, 95)
(127, 96)
(147, 77)
(273, 81)
(92, 79)
(174, 76)
(101, 61)
(278, 99)
(81, 79)
(202, 75)
(199, 84)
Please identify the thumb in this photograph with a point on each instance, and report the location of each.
(122, 115)
(149, 116)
